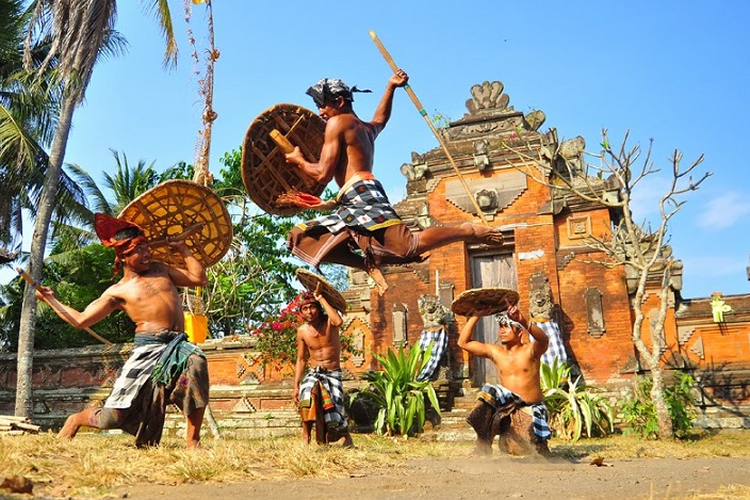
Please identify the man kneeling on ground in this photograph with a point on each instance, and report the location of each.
(517, 362)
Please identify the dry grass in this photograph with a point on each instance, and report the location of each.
(94, 465)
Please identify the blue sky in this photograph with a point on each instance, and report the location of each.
(673, 71)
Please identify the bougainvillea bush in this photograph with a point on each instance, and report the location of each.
(277, 336)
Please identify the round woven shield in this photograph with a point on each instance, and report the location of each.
(310, 281)
(265, 172)
(484, 301)
(180, 207)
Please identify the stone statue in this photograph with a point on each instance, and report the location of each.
(540, 301)
(433, 312)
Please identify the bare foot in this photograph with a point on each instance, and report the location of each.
(193, 444)
(484, 234)
(70, 429)
(379, 280)
(348, 442)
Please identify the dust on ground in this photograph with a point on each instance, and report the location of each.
(490, 477)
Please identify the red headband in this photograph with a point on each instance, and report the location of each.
(107, 227)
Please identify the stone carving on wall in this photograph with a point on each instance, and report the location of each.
(433, 311)
(415, 170)
(540, 297)
(487, 200)
(507, 186)
(579, 227)
(400, 322)
(358, 341)
(481, 158)
(594, 312)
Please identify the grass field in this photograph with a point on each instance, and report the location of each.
(93, 465)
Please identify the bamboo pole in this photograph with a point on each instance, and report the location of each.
(54, 304)
(420, 108)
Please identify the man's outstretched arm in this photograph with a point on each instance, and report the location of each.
(383, 111)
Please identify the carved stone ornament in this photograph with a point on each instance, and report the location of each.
(594, 312)
(540, 297)
(507, 187)
(486, 199)
(481, 158)
(432, 310)
(399, 316)
(487, 96)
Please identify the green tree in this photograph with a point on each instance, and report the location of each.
(28, 110)
(124, 186)
(79, 32)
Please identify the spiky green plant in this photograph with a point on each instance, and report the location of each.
(574, 409)
(401, 399)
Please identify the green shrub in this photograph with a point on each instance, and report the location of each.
(639, 412)
(574, 410)
(401, 399)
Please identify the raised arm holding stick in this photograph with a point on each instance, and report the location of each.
(164, 368)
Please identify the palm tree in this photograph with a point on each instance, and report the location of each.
(126, 185)
(80, 33)
(27, 112)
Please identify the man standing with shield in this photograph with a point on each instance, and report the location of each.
(164, 368)
(318, 339)
(363, 217)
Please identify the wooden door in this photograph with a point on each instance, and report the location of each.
(490, 270)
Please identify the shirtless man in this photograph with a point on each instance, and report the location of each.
(363, 216)
(318, 339)
(517, 363)
(164, 368)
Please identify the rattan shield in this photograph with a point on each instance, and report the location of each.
(265, 172)
(310, 281)
(484, 301)
(179, 206)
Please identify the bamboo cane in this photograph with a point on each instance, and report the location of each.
(54, 304)
(422, 112)
(178, 237)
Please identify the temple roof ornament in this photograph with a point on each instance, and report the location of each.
(490, 114)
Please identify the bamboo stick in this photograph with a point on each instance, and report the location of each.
(422, 112)
(54, 304)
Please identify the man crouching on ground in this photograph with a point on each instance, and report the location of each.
(517, 362)
(318, 338)
(164, 368)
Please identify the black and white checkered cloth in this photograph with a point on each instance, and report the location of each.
(439, 336)
(556, 349)
(499, 397)
(137, 370)
(332, 381)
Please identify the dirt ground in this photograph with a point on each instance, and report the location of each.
(490, 477)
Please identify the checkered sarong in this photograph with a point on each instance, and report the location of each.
(362, 205)
(501, 398)
(439, 337)
(332, 382)
(556, 348)
(135, 373)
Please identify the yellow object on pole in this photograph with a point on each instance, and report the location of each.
(422, 112)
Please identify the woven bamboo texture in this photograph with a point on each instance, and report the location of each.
(265, 172)
(484, 301)
(176, 206)
(310, 281)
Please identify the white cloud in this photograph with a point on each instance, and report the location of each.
(723, 212)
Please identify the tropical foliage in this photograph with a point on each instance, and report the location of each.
(276, 336)
(639, 412)
(401, 399)
(574, 410)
